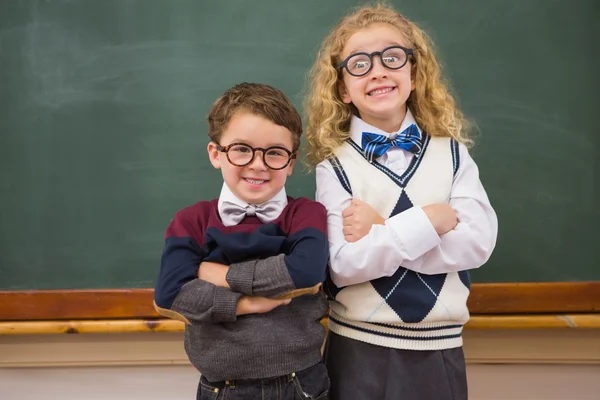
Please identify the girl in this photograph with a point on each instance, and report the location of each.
(407, 214)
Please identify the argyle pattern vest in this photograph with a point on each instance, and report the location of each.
(408, 310)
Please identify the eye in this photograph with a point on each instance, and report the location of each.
(359, 62)
(276, 153)
(394, 57)
(240, 148)
(360, 65)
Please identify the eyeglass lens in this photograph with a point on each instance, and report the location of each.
(242, 155)
(361, 63)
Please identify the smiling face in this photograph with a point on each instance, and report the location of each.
(380, 96)
(254, 183)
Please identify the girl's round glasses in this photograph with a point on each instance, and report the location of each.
(360, 64)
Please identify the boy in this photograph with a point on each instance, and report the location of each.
(233, 268)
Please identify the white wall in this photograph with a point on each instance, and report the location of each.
(98, 383)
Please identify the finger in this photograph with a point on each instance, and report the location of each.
(350, 238)
(348, 211)
(356, 202)
(348, 221)
(211, 264)
(279, 303)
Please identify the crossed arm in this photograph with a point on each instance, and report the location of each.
(219, 293)
(433, 239)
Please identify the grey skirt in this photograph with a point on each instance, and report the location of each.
(362, 371)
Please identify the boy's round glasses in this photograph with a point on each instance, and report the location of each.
(360, 64)
(241, 154)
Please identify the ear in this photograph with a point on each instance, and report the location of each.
(290, 167)
(413, 77)
(343, 92)
(213, 155)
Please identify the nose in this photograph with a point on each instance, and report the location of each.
(378, 70)
(258, 162)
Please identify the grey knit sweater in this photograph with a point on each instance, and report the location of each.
(253, 346)
(285, 257)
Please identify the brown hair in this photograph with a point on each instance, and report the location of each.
(258, 99)
(431, 103)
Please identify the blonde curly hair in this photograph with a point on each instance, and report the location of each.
(329, 117)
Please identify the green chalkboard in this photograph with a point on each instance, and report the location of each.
(103, 133)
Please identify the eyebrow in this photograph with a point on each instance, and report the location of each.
(387, 44)
(237, 140)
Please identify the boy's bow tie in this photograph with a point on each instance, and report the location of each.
(375, 145)
(233, 213)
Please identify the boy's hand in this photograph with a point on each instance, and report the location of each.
(214, 273)
(358, 219)
(442, 217)
(258, 305)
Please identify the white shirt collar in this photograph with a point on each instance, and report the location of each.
(227, 195)
(358, 126)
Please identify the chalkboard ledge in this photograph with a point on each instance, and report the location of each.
(136, 304)
(501, 322)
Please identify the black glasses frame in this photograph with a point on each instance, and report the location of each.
(344, 64)
(225, 149)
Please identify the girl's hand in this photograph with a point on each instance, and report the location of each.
(258, 305)
(442, 217)
(359, 217)
(214, 273)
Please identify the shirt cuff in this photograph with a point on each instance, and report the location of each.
(240, 277)
(225, 305)
(414, 232)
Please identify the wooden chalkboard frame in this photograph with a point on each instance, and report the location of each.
(476, 322)
(485, 299)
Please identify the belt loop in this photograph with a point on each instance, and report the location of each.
(291, 376)
(230, 384)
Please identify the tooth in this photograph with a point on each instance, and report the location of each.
(380, 91)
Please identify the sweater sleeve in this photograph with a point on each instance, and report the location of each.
(179, 294)
(200, 301)
(301, 269)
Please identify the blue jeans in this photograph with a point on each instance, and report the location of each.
(312, 383)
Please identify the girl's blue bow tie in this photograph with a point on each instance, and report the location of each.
(375, 145)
